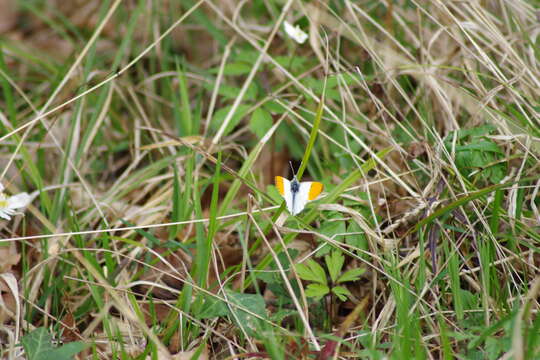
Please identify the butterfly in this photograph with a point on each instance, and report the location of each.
(297, 194)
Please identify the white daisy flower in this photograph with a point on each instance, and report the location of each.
(295, 32)
(9, 204)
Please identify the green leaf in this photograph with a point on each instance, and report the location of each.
(489, 146)
(274, 107)
(213, 308)
(67, 351)
(317, 290)
(232, 92)
(311, 271)
(186, 118)
(281, 314)
(334, 262)
(460, 201)
(261, 122)
(330, 229)
(235, 68)
(221, 114)
(351, 275)
(38, 346)
(341, 292)
(251, 324)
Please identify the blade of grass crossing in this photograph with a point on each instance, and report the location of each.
(495, 211)
(486, 252)
(421, 274)
(182, 209)
(200, 17)
(446, 347)
(204, 248)
(463, 200)
(186, 195)
(314, 132)
(185, 124)
(185, 299)
(244, 170)
(176, 214)
(127, 37)
(64, 171)
(203, 257)
(8, 94)
(105, 93)
(33, 171)
(453, 270)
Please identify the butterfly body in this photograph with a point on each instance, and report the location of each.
(297, 194)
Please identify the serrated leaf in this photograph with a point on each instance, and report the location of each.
(334, 263)
(316, 290)
(351, 275)
(341, 292)
(305, 273)
(311, 271)
(260, 122)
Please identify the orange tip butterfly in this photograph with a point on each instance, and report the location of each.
(297, 194)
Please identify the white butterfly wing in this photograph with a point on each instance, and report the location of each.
(284, 188)
(302, 197)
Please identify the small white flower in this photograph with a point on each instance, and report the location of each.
(8, 204)
(295, 32)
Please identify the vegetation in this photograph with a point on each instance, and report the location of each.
(147, 135)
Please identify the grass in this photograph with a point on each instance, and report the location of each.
(149, 133)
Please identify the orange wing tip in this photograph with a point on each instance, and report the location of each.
(315, 190)
(280, 186)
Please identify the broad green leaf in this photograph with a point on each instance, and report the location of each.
(351, 275)
(481, 146)
(357, 239)
(281, 314)
(330, 229)
(261, 122)
(334, 263)
(221, 114)
(213, 308)
(38, 346)
(307, 272)
(274, 107)
(67, 351)
(252, 302)
(316, 290)
(316, 272)
(341, 292)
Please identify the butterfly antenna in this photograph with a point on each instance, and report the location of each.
(290, 163)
